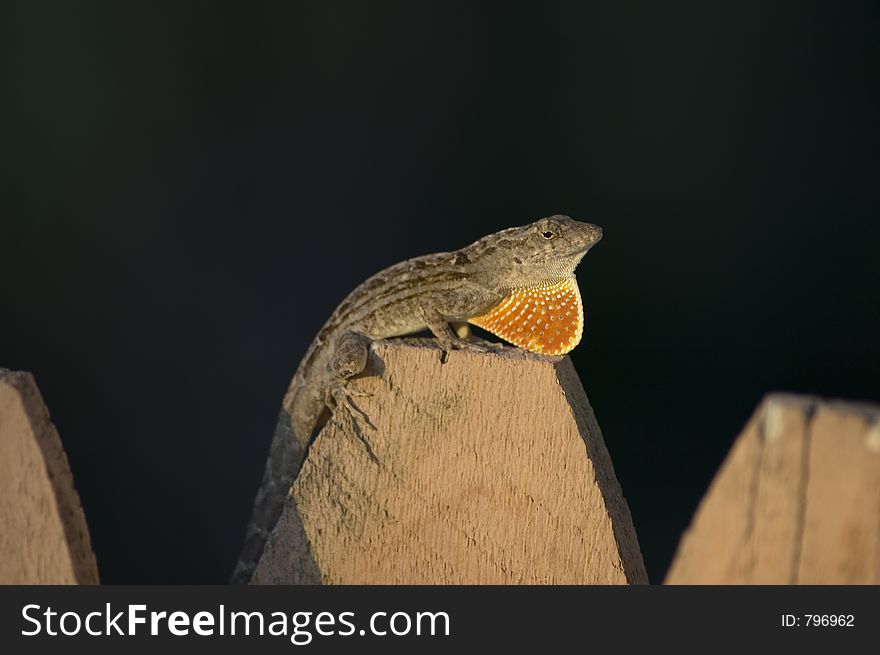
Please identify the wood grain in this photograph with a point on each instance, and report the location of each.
(43, 533)
(488, 468)
(797, 500)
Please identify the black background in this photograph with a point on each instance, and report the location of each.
(190, 188)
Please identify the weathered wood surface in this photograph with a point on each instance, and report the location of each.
(43, 533)
(488, 468)
(797, 500)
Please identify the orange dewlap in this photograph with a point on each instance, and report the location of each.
(548, 319)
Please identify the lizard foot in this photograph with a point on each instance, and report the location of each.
(472, 345)
(486, 346)
(358, 394)
(351, 416)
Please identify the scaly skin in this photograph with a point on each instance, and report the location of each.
(429, 292)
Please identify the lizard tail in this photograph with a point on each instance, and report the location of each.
(286, 454)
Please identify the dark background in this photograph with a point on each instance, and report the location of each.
(190, 188)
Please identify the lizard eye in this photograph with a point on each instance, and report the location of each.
(548, 234)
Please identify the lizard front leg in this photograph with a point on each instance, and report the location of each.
(448, 339)
(439, 311)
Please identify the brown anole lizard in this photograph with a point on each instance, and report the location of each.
(518, 284)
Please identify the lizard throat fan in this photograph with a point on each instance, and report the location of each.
(548, 320)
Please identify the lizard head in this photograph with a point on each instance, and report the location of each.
(543, 252)
(531, 268)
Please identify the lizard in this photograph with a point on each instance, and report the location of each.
(517, 284)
